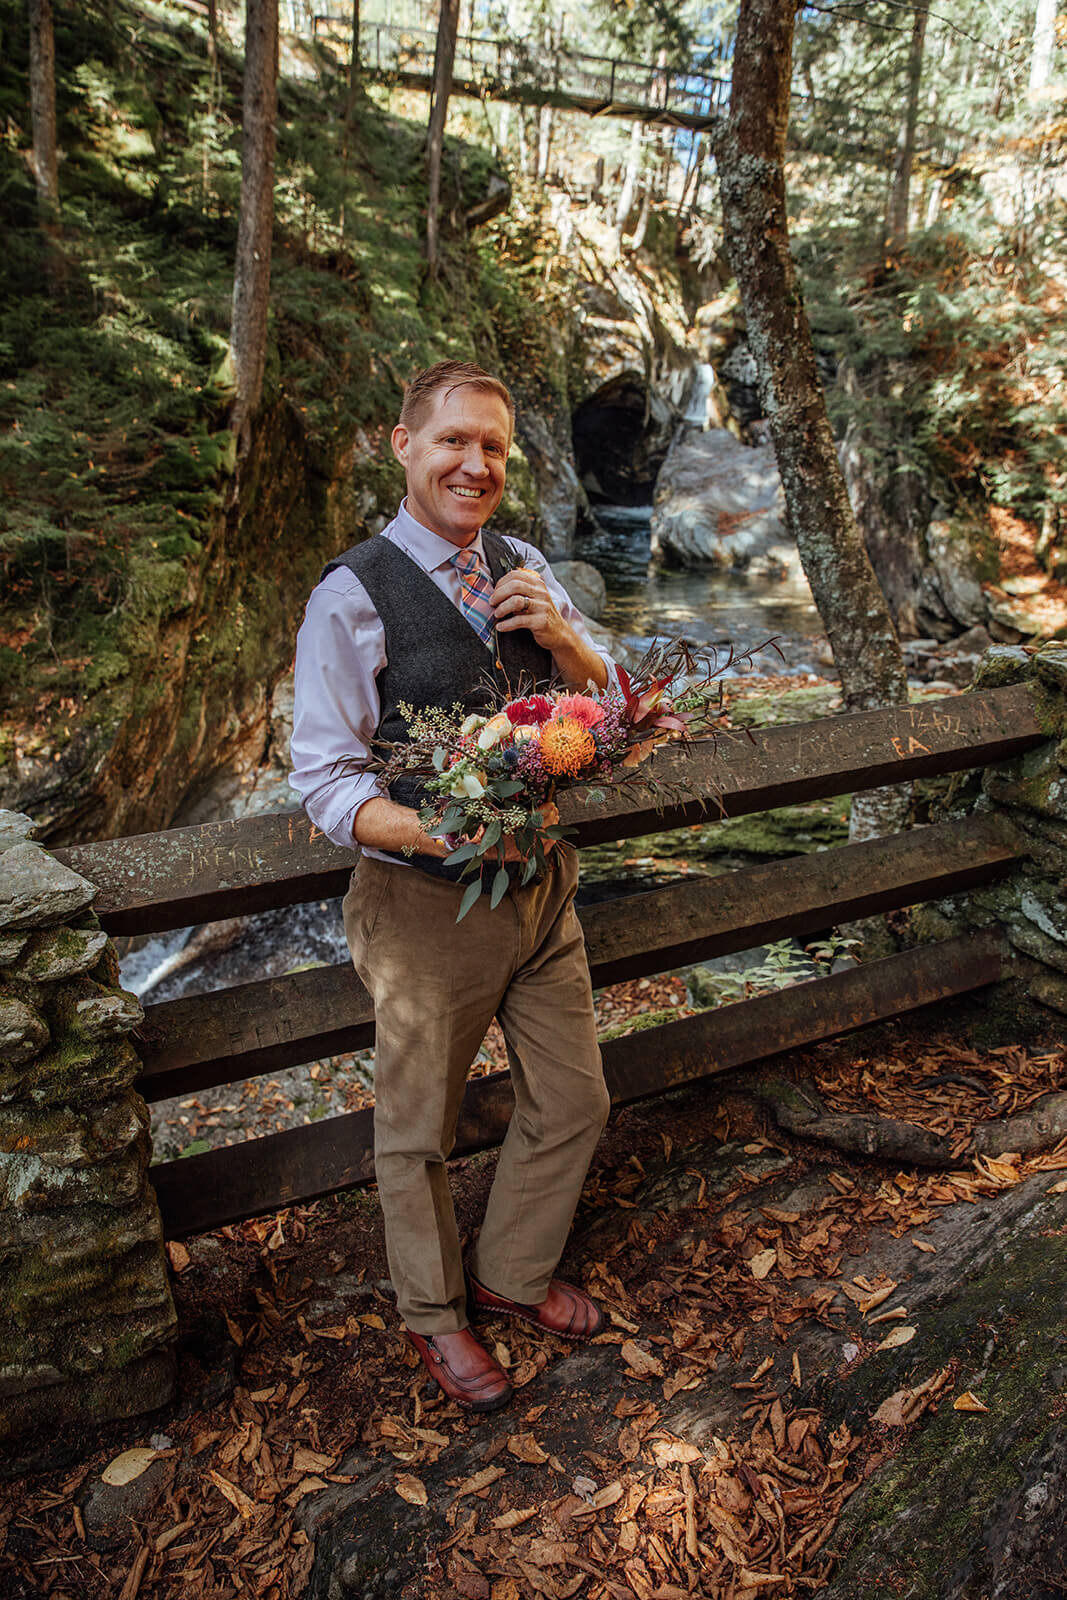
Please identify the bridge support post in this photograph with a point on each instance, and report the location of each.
(1030, 792)
(87, 1322)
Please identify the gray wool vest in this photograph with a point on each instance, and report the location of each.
(433, 655)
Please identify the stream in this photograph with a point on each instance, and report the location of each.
(709, 606)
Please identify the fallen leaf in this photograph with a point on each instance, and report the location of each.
(896, 1338)
(478, 1481)
(669, 1450)
(761, 1264)
(526, 1448)
(921, 1244)
(608, 1496)
(129, 1465)
(1058, 1188)
(237, 1497)
(306, 1486)
(968, 1402)
(514, 1519)
(371, 1319)
(873, 1300)
(410, 1488)
(311, 1460)
(890, 1316)
(180, 1259)
(640, 1362)
(893, 1412)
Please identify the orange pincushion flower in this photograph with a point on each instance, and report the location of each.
(567, 747)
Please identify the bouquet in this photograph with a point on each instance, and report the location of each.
(487, 779)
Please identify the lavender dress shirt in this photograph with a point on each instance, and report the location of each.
(340, 650)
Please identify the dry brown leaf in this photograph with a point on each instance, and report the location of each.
(640, 1362)
(526, 1448)
(608, 1496)
(514, 1519)
(871, 1301)
(764, 1367)
(924, 1245)
(234, 1331)
(896, 1338)
(371, 1319)
(129, 1465)
(311, 1460)
(762, 1263)
(667, 1451)
(410, 1488)
(180, 1259)
(897, 1313)
(675, 1382)
(306, 1486)
(894, 1411)
(1058, 1188)
(478, 1481)
(237, 1497)
(968, 1402)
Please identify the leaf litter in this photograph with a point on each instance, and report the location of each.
(641, 1510)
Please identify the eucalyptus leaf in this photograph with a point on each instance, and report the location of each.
(473, 892)
(529, 871)
(492, 834)
(439, 758)
(499, 889)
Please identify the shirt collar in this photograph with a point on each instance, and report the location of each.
(425, 546)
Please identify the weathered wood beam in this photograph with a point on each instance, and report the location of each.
(172, 880)
(202, 1040)
(206, 1191)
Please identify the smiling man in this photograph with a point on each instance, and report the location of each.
(407, 618)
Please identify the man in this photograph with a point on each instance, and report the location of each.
(408, 617)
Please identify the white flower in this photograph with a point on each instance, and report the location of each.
(494, 731)
(473, 721)
(469, 786)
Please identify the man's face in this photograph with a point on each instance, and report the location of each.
(455, 460)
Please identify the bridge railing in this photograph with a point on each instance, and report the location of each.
(508, 67)
(191, 875)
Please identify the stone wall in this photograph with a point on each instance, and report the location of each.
(87, 1323)
(1031, 793)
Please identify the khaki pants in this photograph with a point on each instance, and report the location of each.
(436, 988)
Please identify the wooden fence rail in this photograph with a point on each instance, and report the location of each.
(162, 881)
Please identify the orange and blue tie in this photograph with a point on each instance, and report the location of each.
(477, 587)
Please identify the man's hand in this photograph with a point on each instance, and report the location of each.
(522, 600)
(549, 819)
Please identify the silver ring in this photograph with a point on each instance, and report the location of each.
(525, 603)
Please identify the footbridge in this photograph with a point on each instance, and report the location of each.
(526, 73)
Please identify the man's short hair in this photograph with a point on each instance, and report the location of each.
(449, 375)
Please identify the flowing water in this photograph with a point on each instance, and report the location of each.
(708, 606)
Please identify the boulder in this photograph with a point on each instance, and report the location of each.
(39, 890)
(719, 503)
(584, 585)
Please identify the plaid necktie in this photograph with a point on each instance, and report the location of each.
(477, 587)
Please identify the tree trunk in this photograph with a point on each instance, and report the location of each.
(355, 64)
(444, 59)
(629, 183)
(751, 166)
(251, 277)
(43, 111)
(1043, 45)
(897, 218)
(544, 142)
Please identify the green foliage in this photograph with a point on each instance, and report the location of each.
(784, 964)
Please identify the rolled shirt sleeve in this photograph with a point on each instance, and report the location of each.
(340, 650)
